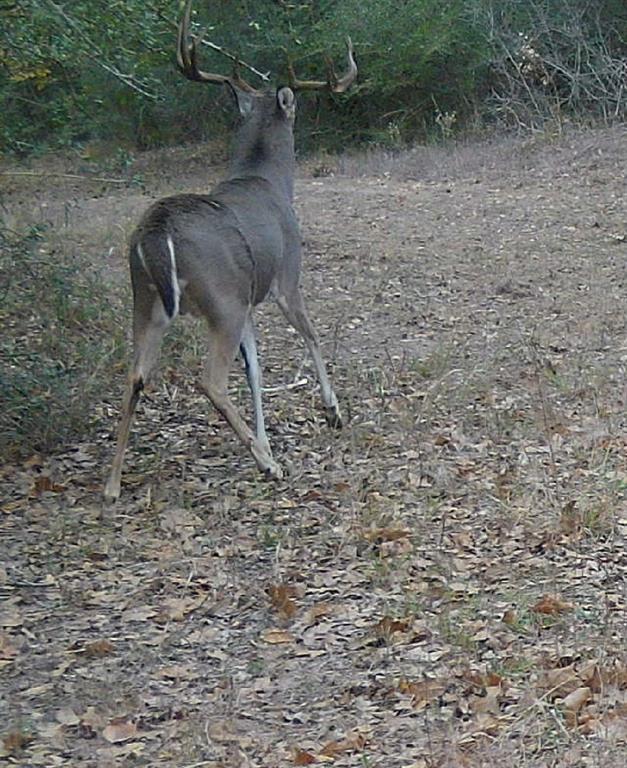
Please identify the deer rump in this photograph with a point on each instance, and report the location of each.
(230, 244)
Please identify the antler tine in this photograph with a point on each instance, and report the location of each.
(187, 58)
(333, 83)
(343, 83)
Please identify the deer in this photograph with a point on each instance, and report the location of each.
(219, 255)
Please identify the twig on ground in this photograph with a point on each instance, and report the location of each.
(294, 385)
(77, 176)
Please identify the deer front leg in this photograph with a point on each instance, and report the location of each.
(293, 307)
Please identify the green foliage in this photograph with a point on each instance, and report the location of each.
(72, 72)
(419, 58)
(61, 333)
(81, 70)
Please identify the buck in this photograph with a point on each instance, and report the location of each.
(219, 255)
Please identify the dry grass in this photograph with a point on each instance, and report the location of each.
(485, 158)
(441, 584)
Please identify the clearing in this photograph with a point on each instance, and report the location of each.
(442, 583)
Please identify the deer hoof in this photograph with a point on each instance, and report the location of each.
(274, 472)
(111, 491)
(266, 463)
(334, 417)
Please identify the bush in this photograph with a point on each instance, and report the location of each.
(421, 61)
(556, 60)
(72, 72)
(61, 336)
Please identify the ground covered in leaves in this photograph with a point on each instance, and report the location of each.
(442, 583)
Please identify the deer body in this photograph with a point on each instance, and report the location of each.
(218, 256)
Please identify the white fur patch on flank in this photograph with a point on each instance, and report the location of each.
(140, 253)
(176, 288)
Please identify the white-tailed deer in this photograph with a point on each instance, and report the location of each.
(219, 255)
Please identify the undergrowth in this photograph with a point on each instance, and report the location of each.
(61, 337)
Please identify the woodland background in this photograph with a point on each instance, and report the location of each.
(72, 72)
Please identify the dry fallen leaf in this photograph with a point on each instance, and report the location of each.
(423, 692)
(590, 675)
(352, 743)
(573, 703)
(139, 613)
(485, 722)
(177, 608)
(301, 757)
(120, 729)
(276, 636)
(281, 596)
(613, 725)
(67, 716)
(558, 683)
(10, 616)
(318, 611)
(131, 749)
(226, 732)
(483, 680)
(616, 675)
(551, 605)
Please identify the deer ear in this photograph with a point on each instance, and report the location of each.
(243, 99)
(286, 102)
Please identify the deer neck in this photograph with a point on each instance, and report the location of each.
(267, 152)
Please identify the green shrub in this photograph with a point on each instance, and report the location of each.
(61, 336)
(72, 72)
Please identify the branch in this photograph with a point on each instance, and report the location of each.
(215, 47)
(237, 61)
(128, 80)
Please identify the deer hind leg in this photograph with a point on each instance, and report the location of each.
(293, 307)
(150, 322)
(248, 348)
(222, 348)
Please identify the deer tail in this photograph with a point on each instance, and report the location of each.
(161, 268)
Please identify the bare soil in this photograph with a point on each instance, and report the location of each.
(443, 582)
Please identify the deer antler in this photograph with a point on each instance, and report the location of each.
(333, 83)
(187, 58)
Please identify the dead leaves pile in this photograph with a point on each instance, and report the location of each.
(591, 697)
(441, 584)
(351, 743)
(123, 736)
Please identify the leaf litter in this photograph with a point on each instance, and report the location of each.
(440, 584)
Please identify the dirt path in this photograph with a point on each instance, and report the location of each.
(443, 583)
